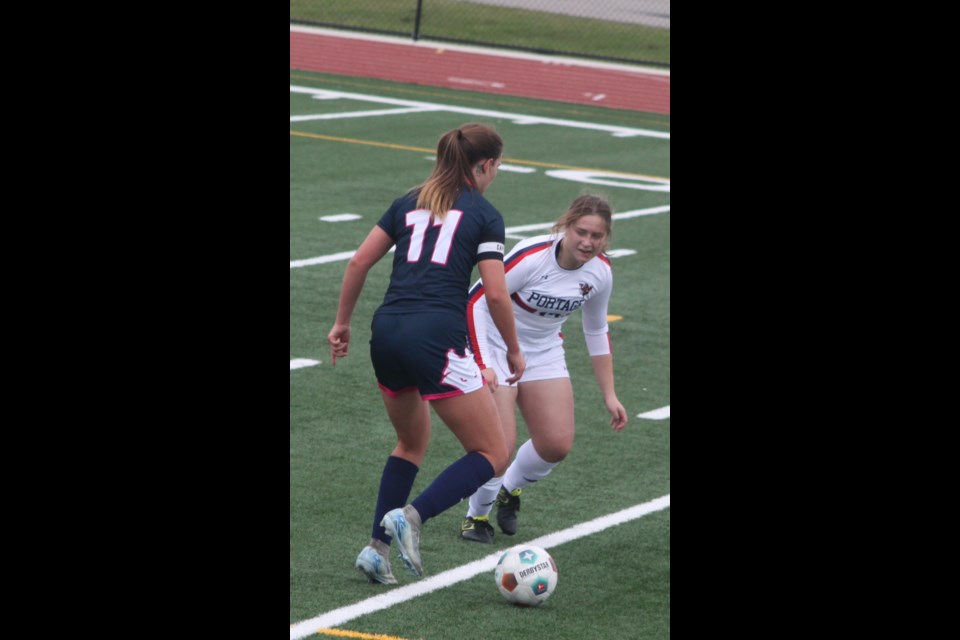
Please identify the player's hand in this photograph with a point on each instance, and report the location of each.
(517, 364)
(491, 377)
(618, 415)
(339, 339)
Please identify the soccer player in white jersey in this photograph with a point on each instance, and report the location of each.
(549, 277)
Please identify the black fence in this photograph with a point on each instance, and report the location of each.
(630, 31)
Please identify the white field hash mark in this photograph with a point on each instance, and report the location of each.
(465, 572)
(300, 363)
(657, 414)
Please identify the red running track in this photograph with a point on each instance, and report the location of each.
(562, 80)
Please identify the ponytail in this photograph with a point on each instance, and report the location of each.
(457, 153)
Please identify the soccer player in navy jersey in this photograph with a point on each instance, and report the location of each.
(419, 347)
(549, 277)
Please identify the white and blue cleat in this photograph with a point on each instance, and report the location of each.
(407, 535)
(375, 566)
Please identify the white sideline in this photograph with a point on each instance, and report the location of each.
(346, 255)
(465, 572)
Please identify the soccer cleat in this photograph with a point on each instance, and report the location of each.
(508, 503)
(407, 535)
(477, 529)
(375, 566)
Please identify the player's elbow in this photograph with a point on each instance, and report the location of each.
(360, 263)
(497, 298)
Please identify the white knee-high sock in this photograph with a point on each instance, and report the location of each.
(527, 467)
(481, 502)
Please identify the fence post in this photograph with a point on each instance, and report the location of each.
(416, 22)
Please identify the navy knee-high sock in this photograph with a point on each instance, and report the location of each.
(395, 484)
(457, 482)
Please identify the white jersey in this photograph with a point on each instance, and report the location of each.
(544, 295)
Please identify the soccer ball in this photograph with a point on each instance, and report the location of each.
(526, 575)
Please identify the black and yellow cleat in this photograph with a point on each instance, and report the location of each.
(508, 504)
(477, 529)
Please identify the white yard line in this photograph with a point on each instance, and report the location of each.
(465, 572)
(360, 114)
(414, 106)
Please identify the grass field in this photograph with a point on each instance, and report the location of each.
(495, 25)
(357, 144)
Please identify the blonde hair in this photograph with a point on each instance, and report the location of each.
(586, 205)
(457, 153)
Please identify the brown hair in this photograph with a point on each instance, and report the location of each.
(586, 205)
(457, 153)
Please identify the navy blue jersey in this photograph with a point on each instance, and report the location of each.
(433, 262)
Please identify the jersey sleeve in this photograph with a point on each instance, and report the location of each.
(387, 221)
(595, 328)
(479, 321)
(478, 324)
(493, 237)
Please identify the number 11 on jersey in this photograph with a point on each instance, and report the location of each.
(420, 221)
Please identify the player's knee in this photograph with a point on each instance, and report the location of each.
(555, 451)
(414, 452)
(501, 467)
(500, 460)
